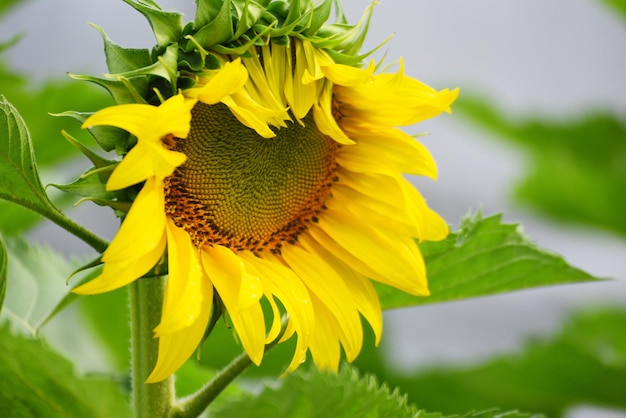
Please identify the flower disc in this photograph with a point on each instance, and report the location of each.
(244, 191)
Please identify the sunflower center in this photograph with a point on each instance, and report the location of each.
(244, 191)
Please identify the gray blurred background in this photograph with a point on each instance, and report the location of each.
(532, 57)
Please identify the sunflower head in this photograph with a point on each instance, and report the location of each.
(262, 157)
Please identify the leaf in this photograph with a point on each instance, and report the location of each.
(577, 166)
(485, 257)
(37, 382)
(585, 364)
(319, 394)
(19, 180)
(36, 285)
(618, 5)
(3, 272)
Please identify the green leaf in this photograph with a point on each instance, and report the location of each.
(485, 257)
(19, 179)
(577, 166)
(3, 271)
(618, 5)
(36, 285)
(37, 382)
(317, 394)
(585, 364)
(346, 394)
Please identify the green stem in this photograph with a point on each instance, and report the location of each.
(77, 230)
(195, 404)
(152, 400)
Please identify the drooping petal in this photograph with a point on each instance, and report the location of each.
(175, 348)
(325, 120)
(300, 93)
(331, 290)
(228, 274)
(147, 122)
(393, 100)
(227, 80)
(394, 260)
(390, 147)
(183, 295)
(344, 75)
(143, 161)
(283, 283)
(324, 345)
(362, 293)
(138, 245)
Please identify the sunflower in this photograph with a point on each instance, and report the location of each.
(271, 178)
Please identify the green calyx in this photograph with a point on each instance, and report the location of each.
(220, 28)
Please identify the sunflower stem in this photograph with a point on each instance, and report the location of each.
(150, 400)
(193, 405)
(75, 229)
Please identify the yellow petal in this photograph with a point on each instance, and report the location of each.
(283, 283)
(249, 118)
(137, 246)
(324, 119)
(345, 75)
(145, 121)
(173, 116)
(183, 294)
(331, 290)
(130, 117)
(395, 259)
(362, 292)
(324, 345)
(177, 347)
(312, 70)
(388, 202)
(300, 96)
(275, 61)
(393, 100)
(391, 146)
(227, 80)
(144, 226)
(226, 270)
(377, 212)
(143, 161)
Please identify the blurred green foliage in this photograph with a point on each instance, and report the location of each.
(618, 5)
(577, 167)
(35, 103)
(584, 364)
(37, 382)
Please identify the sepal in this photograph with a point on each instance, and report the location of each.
(120, 59)
(167, 26)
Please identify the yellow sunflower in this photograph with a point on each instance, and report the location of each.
(275, 179)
